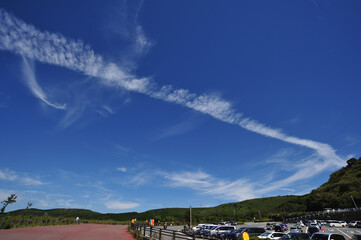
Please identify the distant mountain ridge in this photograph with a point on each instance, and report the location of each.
(335, 193)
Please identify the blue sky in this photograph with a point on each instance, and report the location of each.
(135, 105)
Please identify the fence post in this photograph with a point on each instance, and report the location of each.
(145, 227)
(150, 233)
(173, 237)
(160, 234)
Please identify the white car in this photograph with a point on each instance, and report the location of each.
(199, 226)
(334, 223)
(271, 235)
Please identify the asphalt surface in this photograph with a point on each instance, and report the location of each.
(68, 232)
(346, 231)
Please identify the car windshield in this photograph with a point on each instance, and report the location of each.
(239, 230)
(356, 237)
(265, 234)
(319, 237)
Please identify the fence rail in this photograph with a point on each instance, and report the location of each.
(146, 232)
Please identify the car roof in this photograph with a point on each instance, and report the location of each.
(326, 233)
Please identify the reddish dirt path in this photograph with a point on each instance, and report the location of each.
(76, 232)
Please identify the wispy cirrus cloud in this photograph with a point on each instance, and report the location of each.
(31, 181)
(8, 175)
(26, 40)
(202, 182)
(37, 91)
(178, 128)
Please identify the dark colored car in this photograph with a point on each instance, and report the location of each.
(296, 236)
(252, 231)
(278, 228)
(312, 230)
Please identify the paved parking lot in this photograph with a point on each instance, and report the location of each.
(346, 231)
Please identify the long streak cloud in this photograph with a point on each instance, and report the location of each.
(26, 40)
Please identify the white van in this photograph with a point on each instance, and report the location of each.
(335, 223)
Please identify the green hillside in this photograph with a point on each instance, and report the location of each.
(333, 194)
(337, 191)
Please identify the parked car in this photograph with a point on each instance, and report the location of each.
(296, 236)
(269, 226)
(335, 223)
(276, 235)
(217, 231)
(280, 228)
(208, 229)
(295, 229)
(252, 231)
(205, 229)
(284, 227)
(196, 228)
(312, 230)
(300, 223)
(356, 236)
(264, 235)
(327, 236)
(236, 234)
(354, 223)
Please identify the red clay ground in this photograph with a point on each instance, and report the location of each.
(76, 232)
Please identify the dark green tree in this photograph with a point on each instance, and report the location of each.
(11, 199)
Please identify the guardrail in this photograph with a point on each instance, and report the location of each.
(146, 232)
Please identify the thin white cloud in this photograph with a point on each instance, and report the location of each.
(25, 40)
(106, 110)
(8, 175)
(178, 129)
(65, 203)
(122, 169)
(37, 91)
(139, 179)
(142, 43)
(202, 182)
(31, 181)
(120, 205)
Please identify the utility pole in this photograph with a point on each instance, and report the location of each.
(190, 217)
(259, 214)
(234, 213)
(354, 202)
